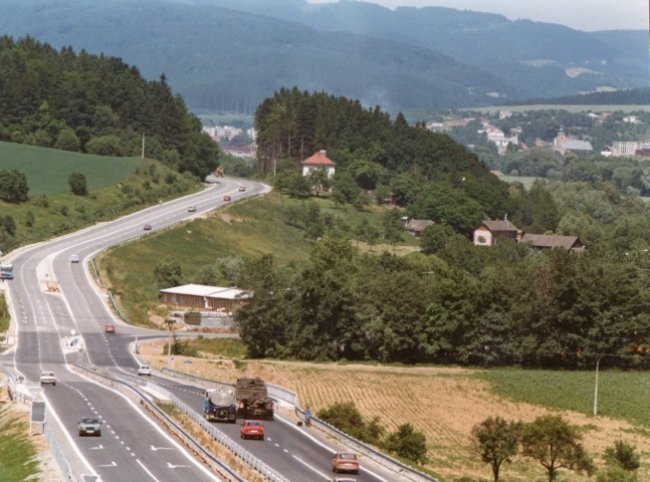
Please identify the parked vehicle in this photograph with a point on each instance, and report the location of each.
(109, 328)
(252, 429)
(6, 271)
(220, 405)
(252, 399)
(144, 370)
(345, 462)
(90, 426)
(47, 378)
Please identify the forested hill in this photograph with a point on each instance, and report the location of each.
(95, 104)
(430, 174)
(619, 97)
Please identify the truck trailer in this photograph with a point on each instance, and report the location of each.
(252, 399)
(219, 405)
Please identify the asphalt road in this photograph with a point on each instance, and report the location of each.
(131, 446)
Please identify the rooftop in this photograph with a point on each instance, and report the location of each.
(319, 159)
(208, 291)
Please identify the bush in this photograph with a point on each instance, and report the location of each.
(77, 183)
(347, 418)
(408, 443)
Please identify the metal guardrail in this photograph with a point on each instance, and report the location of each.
(160, 413)
(229, 443)
(59, 456)
(406, 472)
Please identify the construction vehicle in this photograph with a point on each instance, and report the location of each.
(219, 405)
(252, 398)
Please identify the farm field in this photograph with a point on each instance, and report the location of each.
(47, 170)
(568, 108)
(445, 403)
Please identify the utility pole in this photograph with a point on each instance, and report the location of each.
(596, 385)
(170, 324)
(142, 155)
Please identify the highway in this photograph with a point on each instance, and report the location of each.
(131, 447)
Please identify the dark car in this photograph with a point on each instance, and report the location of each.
(147, 227)
(109, 328)
(90, 426)
(242, 188)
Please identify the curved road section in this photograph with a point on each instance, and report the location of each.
(131, 446)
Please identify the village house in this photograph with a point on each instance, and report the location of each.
(319, 161)
(204, 298)
(490, 231)
(564, 144)
(416, 226)
(570, 244)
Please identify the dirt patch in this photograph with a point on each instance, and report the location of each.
(443, 402)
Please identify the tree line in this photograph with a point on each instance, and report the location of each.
(95, 104)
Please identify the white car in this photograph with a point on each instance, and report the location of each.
(191, 209)
(74, 258)
(47, 378)
(144, 370)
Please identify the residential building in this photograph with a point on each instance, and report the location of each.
(416, 226)
(319, 161)
(490, 231)
(549, 241)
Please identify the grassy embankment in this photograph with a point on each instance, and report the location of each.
(17, 452)
(247, 230)
(116, 186)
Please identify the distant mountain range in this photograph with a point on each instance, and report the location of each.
(228, 55)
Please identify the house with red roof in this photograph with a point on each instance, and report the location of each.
(319, 161)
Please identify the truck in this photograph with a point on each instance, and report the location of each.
(219, 405)
(252, 398)
(6, 271)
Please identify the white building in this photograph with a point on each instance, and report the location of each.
(319, 161)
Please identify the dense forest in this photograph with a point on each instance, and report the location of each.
(639, 96)
(95, 104)
(453, 302)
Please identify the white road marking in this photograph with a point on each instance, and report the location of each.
(312, 468)
(112, 464)
(155, 449)
(172, 466)
(146, 470)
(99, 447)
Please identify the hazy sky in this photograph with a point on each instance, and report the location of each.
(578, 14)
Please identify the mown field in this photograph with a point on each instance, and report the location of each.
(116, 186)
(245, 230)
(47, 170)
(446, 402)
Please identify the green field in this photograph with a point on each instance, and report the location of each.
(47, 170)
(568, 108)
(245, 230)
(620, 394)
(527, 181)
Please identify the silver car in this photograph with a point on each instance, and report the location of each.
(90, 426)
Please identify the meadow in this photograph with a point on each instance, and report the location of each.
(47, 170)
(18, 456)
(246, 230)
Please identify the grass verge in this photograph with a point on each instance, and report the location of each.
(17, 454)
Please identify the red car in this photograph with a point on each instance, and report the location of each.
(252, 429)
(345, 462)
(109, 328)
(226, 197)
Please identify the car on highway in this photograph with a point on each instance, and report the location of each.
(90, 426)
(74, 258)
(109, 328)
(252, 429)
(147, 227)
(47, 378)
(191, 209)
(144, 370)
(227, 198)
(345, 462)
(242, 188)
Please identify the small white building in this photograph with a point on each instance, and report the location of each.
(319, 161)
(204, 298)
